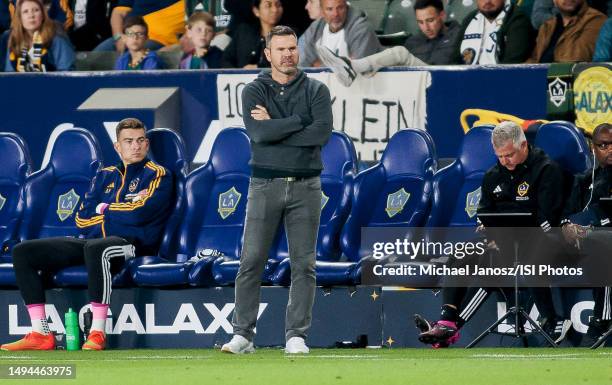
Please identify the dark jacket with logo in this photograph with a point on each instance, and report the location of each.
(140, 199)
(438, 51)
(588, 188)
(534, 186)
(288, 144)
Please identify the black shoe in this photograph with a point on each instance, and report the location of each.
(421, 323)
(597, 327)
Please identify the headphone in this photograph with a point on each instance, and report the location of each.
(592, 182)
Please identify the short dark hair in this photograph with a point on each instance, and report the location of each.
(279, 30)
(129, 123)
(131, 21)
(600, 128)
(422, 4)
(202, 16)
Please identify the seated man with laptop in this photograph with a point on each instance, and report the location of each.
(524, 180)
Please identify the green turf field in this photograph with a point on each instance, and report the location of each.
(325, 366)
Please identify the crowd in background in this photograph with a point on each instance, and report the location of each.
(44, 35)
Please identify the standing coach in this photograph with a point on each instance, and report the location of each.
(290, 120)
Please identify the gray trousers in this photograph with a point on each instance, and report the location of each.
(298, 202)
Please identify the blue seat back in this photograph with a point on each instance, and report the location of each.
(54, 193)
(457, 187)
(216, 196)
(167, 148)
(565, 144)
(395, 192)
(339, 165)
(16, 166)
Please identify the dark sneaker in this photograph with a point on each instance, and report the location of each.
(421, 323)
(440, 332)
(597, 327)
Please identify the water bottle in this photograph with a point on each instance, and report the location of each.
(71, 323)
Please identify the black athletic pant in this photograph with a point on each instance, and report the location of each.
(102, 256)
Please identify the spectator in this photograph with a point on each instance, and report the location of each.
(137, 57)
(497, 32)
(542, 10)
(603, 47)
(33, 44)
(545, 9)
(248, 41)
(569, 36)
(89, 23)
(200, 31)
(313, 7)
(342, 29)
(165, 18)
(436, 44)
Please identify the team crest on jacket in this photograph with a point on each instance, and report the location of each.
(471, 202)
(396, 202)
(228, 202)
(324, 200)
(109, 188)
(66, 203)
(133, 185)
(522, 189)
(2, 201)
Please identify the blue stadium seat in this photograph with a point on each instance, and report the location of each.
(52, 194)
(564, 143)
(16, 166)
(395, 192)
(166, 148)
(214, 209)
(234, 174)
(457, 187)
(339, 165)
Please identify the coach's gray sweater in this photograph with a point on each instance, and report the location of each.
(288, 144)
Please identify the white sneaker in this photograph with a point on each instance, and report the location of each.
(238, 345)
(561, 329)
(296, 345)
(339, 65)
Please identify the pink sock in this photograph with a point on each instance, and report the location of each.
(38, 318)
(37, 311)
(100, 312)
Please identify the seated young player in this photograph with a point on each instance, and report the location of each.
(201, 31)
(136, 56)
(122, 215)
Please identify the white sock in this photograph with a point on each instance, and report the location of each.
(40, 326)
(99, 325)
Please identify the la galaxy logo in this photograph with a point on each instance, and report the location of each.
(471, 202)
(556, 91)
(133, 185)
(109, 188)
(324, 200)
(66, 203)
(228, 202)
(522, 189)
(593, 97)
(2, 201)
(396, 202)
